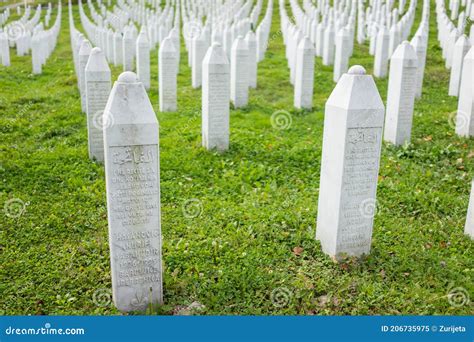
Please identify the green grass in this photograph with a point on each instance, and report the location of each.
(255, 235)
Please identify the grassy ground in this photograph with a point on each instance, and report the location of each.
(251, 249)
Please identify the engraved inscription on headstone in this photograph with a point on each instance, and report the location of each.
(349, 169)
(133, 196)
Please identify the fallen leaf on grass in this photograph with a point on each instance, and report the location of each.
(298, 250)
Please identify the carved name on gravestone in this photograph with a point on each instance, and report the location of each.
(132, 170)
(352, 142)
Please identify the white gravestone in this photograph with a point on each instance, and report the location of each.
(97, 86)
(420, 47)
(469, 227)
(4, 49)
(252, 45)
(328, 50)
(118, 49)
(352, 142)
(381, 53)
(35, 54)
(465, 114)
(128, 50)
(239, 75)
(199, 50)
(143, 59)
(167, 78)
(132, 172)
(401, 94)
(215, 99)
(341, 60)
(304, 75)
(84, 53)
(460, 50)
(320, 39)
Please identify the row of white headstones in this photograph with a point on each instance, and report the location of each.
(123, 133)
(29, 34)
(128, 141)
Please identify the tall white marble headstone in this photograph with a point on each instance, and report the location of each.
(419, 44)
(128, 50)
(252, 46)
(239, 75)
(4, 49)
(328, 49)
(167, 78)
(97, 86)
(352, 142)
(465, 114)
(215, 99)
(118, 49)
(381, 53)
(143, 59)
(401, 94)
(341, 60)
(132, 172)
(460, 50)
(304, 75)
(84, 53)
(199, 50)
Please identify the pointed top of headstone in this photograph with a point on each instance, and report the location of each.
(128, 34)
(167, 45)
(305, 44)
(404, 51)
(239, 43)
(142, 38)
(128, 77)
(382, 31)
(97, 61)
(85, 48)
(250, 36)
(215, 55)
(357, 70)
(128, 103)
(463, 40)
(356, 90)
(470, 53)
